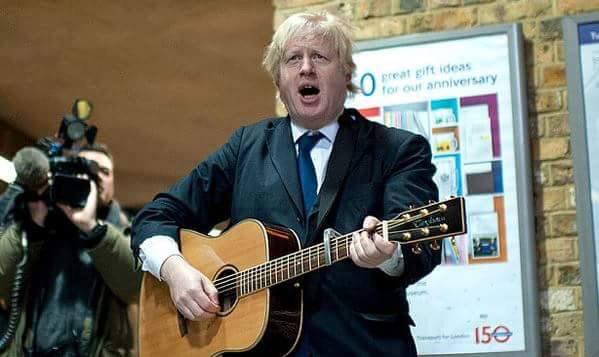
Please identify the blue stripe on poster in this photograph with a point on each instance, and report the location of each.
(497, 176)
(458, 164)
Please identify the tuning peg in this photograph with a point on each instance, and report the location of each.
(452, 241)
(432, 201)
(425, 231)
(442, 207)
(443, 227)
(424, 211)
(416, 249)
(406, 236)
(435, 245)
(405, 216)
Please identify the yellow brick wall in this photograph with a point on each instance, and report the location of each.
(558, 262)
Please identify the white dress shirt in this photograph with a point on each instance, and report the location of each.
(155, 250)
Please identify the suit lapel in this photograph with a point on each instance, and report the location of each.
(345, 151)
(282, 152)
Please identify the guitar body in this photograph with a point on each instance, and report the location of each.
(267, 322)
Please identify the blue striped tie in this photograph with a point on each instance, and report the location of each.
(305, 168)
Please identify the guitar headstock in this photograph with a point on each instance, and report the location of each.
(428, 223)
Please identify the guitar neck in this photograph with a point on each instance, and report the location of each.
(291, 266)
(424, 225)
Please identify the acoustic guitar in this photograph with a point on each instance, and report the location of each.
(255, 268)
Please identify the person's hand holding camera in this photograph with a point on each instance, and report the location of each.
(84, 218)
(92, 231)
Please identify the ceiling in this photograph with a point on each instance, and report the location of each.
(169, 80)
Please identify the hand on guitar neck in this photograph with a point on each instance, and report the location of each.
(192, 292)
(369, 249)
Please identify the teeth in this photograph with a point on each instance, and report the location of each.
(308, 89)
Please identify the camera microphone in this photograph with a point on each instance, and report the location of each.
(32, 167)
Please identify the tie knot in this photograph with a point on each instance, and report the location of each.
(306, 142)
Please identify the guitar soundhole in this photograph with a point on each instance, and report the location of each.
(227, 295)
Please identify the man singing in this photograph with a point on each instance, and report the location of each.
(322, 166)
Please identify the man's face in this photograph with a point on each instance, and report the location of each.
(106, 175)
(312, 82)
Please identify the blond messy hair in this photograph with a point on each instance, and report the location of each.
(312, 24)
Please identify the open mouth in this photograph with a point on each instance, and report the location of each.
(308, 90)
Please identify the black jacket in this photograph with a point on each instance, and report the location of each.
(373, 170)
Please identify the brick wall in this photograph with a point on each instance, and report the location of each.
(554, 193)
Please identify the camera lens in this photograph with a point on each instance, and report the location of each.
(76, 130)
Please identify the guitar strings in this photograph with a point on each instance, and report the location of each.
(308, 251)
(256, 280)
(258, 271)
(256, 277)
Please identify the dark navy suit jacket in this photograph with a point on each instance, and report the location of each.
(373, 170)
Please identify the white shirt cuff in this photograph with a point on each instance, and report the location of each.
(154, 251)
(395, 265)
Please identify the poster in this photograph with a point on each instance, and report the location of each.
(581, 42)
(457, 93)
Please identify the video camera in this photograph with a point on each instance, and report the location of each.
(70, 180)
(68, 175)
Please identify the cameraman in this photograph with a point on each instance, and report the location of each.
(80, 274)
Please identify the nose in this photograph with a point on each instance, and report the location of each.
(307, 66)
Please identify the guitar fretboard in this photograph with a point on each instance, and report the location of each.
(290, 266)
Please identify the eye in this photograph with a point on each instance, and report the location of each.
(293, 58)
(319, 57)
